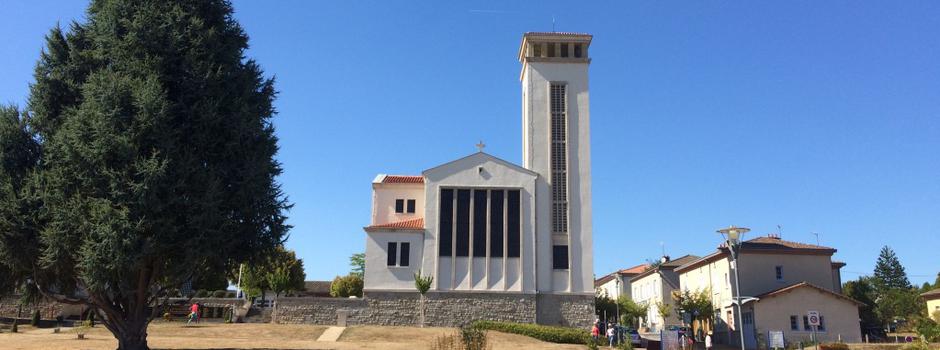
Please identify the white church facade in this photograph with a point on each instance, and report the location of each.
(502, 241)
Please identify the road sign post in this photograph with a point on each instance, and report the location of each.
(813, 318)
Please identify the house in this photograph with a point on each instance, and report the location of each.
(933, 303)
(501, 240)
(780, 282)
(654, 287)
(617, 283)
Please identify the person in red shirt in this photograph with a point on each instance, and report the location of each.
(193, 313)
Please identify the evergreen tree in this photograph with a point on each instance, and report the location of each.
(147, 160)
(889, 273)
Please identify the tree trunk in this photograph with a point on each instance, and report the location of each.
(132, 339)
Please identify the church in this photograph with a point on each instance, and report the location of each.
(502, 241)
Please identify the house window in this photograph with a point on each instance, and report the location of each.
(560, 257)
(411, 206)
(399, 205)
(822, 324)
(779, 272)
(747, 317)
(399, 254)
(730, 319)
(806, 326)
(794, 324)
(392, 253)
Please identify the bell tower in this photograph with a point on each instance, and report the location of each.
(557, 145)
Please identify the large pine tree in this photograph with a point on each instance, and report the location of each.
(889, 273)
(154, 160)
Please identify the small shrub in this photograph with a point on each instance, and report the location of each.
(626, 345)
(446, 342)
(473, 338)
(82, 329)
(219, 294)
(592, 344)
(550, 334)
(35, 321)
(833, 346)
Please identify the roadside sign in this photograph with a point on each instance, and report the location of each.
(776, 340)
(813, 317)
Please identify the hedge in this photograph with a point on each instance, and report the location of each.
(551, 334)
(834, 346)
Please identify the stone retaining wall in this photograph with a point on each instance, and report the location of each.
(48, 310)
(451, 309)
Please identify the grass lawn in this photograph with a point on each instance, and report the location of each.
(257, 336)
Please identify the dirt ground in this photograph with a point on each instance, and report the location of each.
(257, 336)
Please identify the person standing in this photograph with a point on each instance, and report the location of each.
(595, 332)
(611, 335)
(708, 341)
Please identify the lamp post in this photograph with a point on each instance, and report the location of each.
(619, 293)
(732, 237)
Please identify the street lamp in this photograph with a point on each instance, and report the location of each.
(732, 237)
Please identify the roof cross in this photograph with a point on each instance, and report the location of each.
(480, 146)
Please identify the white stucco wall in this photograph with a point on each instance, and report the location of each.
(536, 79)
(383, 202)
(380, 276)
(454, 273)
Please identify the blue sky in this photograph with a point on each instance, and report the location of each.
(816, 116)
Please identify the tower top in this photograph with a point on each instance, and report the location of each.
(561, 47)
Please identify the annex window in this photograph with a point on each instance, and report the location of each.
(475, 212)
(479, 223)
(445, 221)
(399, 205)
(559, 157)
(463, 222)
(560, 257)
(794, 324)
(404, 254)
(496, 223)
(399, 254)
(411, 206)
(392, 254)
(513, 222)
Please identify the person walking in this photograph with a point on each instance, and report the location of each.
(611, 335)
(595, 331)
(708, 341)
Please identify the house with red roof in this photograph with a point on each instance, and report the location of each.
(617, 283)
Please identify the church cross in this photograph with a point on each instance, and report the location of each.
(480, 146)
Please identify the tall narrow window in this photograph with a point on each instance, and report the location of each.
(479, 223)
(559, 158)
(392, 253)
(560, 257)
(806, 326)
(405, 254)
(399, 205)
(446, 223)
(794, 324)
(513, 221)
(496, 223)
(463, 222)
(411, 206)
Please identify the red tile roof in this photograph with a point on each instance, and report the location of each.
(412, 224)
(635, 270)
(403, 179)
(792, 287)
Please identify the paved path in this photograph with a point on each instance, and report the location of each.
(331, 334)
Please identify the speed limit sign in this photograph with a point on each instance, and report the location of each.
(813, 318)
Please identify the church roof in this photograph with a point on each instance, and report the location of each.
(411, 224)
(403, 179)
(481, 156)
